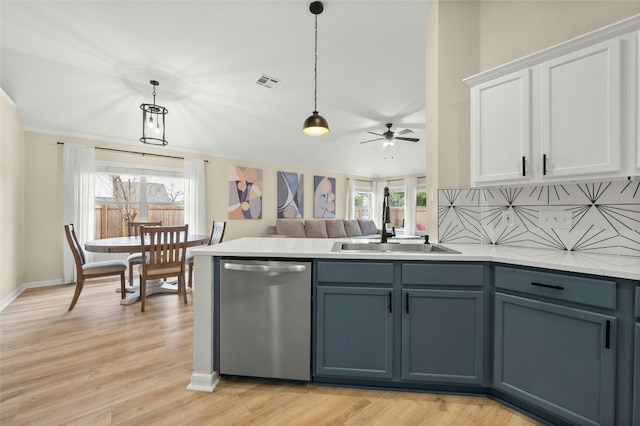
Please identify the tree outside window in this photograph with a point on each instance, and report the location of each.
(122, 198)
(362, 204)
(396, 207)
(421, 210)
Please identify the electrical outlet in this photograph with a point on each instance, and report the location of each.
(508, 218)
(557, 219)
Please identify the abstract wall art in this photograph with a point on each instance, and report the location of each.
(290, 195)
(245, 193)
(324, 197)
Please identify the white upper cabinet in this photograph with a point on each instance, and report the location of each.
(580, 112)
(501, 129)
(566, 113)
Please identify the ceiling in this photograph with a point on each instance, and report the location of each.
(82, 68)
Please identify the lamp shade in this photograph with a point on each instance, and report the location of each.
(153, 121)
(315, 125)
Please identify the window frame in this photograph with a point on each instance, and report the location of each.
(144, 175)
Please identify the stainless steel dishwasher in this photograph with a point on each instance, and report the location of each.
(265, 318)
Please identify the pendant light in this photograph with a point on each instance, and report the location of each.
(315, 125)
(153, 121)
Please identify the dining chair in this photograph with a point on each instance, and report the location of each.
(133, 230)
(165, 258)
(86, 270)
(217, 234)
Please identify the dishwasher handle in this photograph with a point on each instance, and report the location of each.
(264, 268)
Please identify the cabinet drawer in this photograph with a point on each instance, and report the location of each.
(637, 302)
(588, 291)
(449, 274)
(355, 272)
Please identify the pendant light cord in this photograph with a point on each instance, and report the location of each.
(315, 69)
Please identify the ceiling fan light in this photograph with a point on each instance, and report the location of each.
(315, 125)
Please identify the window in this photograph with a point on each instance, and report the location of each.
(362, 202)
(131, 195)
(421, 207)
(396, 204)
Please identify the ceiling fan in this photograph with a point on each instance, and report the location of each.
(390, 137)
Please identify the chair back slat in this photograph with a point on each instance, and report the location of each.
(217, 232)
(133, 228)
(166, 254)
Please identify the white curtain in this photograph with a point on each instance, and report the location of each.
(194, 196)
(351, 193)
(79, 164)
(410, 189)
(378, 198)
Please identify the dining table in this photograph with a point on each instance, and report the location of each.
(133, 245)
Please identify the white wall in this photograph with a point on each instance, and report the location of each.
(45, 236)
(12, 196)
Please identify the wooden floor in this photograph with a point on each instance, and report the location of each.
(107, 364)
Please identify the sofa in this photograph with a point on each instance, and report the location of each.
(324, 228)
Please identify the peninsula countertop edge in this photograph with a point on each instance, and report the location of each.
(624, 267)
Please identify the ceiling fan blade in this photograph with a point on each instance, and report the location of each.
(404, 132)
(408, 139)
(377, 134)
(372, 140)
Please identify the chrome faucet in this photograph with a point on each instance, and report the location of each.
(386, 215)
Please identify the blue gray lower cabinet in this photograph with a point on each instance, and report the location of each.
(442, 333)
(636, 366)
(354, 319)
(354, 334)
(563, 347)
(558, 358)
(636, 386)
(430, 317)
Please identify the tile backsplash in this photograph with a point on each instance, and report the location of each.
(595, 217)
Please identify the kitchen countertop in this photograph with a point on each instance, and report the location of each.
(321, 248)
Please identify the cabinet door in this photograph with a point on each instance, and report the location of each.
(580, 102)
(442, 335)
(501, 130)
(354, 332)
(636, 378)
(558, 358)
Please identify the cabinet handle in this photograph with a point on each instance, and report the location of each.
(556, 287)
(390, 303)
(524, 162)
(544, 164)
(406, 303)
(607, 337)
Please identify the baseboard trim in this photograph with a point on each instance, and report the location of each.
(34, 284)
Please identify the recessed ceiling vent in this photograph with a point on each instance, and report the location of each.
(267, 81)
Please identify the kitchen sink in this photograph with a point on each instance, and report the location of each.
(391, 247)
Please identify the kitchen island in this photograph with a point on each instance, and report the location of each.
(594, 298)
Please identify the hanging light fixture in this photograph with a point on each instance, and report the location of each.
(153, 121)
(315, 125)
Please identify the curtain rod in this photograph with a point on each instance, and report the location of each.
(390, 180)
(137, 152)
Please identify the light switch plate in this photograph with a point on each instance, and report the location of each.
(558, 219)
